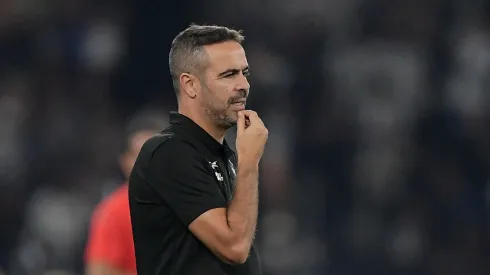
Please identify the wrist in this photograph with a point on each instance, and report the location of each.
(247, 166)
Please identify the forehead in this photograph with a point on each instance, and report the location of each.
(226, 55)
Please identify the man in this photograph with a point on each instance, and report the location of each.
(193, 202)
(110, 249)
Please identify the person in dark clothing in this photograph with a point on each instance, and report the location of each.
(193, 200)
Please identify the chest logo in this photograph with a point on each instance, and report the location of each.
(218, 175)
(214, 164)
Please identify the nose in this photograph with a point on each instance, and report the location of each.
(242, 83)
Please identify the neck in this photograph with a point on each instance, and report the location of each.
(204, 122)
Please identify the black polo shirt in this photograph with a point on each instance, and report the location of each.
(180, 173)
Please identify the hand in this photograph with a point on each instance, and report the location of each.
(251, 138)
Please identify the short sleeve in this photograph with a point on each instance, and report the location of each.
(108, 238)
(179, 174)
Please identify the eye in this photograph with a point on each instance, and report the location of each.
(246, 73)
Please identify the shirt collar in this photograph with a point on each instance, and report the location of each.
(199, 133)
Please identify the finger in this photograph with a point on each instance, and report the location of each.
(255, 119)
(248, 112)
(240, 122)
(247, 122)
(251, 115)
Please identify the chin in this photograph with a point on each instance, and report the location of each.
(228, 123)
(226, 120)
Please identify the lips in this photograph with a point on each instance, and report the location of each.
(241, 101)
(238, 105)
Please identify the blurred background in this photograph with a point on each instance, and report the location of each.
(378, 160)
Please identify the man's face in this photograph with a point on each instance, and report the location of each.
(134, 147)
(224, 82)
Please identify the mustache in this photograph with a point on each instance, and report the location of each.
(242, 95)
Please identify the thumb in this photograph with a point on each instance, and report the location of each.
(240, 122)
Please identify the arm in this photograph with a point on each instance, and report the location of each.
(181, 177)
(229, 232)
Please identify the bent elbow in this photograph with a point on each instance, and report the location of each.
(237, 254)
(239, 257)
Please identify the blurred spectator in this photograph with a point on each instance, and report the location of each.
(110, 248)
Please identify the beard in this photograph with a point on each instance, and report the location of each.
(221, 115)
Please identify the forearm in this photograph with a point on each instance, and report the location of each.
(243, 210)
(229, 231)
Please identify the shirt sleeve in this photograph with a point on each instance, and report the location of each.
(107, 241)
(179, 175)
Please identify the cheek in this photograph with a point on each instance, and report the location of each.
(222, 95)
(227, 95)
(219, 94)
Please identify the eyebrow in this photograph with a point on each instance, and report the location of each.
(231, 71)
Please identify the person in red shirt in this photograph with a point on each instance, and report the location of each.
(110, 247)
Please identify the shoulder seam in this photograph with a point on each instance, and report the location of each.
(156, 148)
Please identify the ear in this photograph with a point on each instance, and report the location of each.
(189, 84)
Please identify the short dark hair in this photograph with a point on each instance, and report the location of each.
(186, 53)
